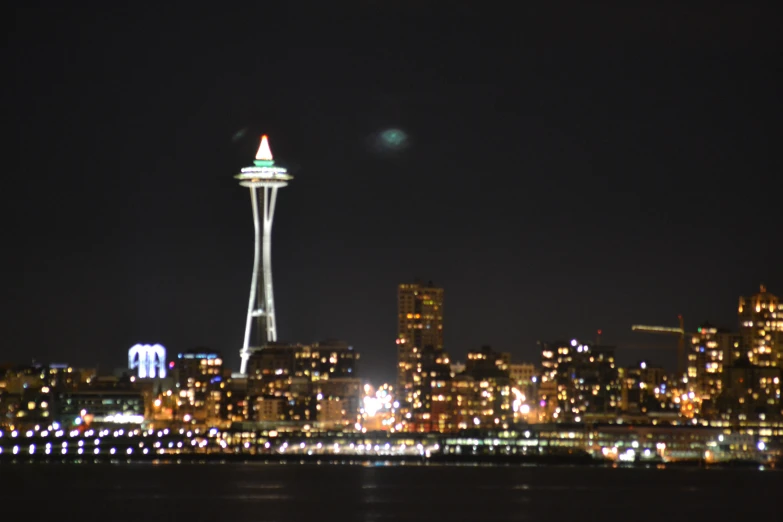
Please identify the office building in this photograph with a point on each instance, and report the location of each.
(751, 393)
(199, 375)
(419, 324)
(643, 388)
(431, 397)
(706, 359)
(585, 378)
(761, 324)
(731, 344)
(522, 374)
(305, 384)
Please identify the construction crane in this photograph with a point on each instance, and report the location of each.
(669, 330)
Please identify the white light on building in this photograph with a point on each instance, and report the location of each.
(149, 361)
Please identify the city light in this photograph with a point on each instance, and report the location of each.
(148, 360)
(372, 405)
(304, 400)
(121, 418)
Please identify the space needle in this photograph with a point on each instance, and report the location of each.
(263, 179)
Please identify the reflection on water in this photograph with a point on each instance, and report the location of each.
(279, 493)
(258, 485)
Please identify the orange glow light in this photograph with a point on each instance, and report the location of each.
(264, 152)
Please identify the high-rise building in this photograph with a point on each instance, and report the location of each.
(304, 384)
(523, 378)
(431, 398)
(200, 365)
(730, 343)
(419, 324)
(522, 374)
(263, 179)
(585, 376)
(199, 374)
(491, 387)
(706, 360)
(641, 387)
(751, 393)
(761, 324)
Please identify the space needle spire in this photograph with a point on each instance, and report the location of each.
(263, 179)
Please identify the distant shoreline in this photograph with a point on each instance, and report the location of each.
(443, 460)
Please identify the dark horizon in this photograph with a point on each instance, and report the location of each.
(557, 172)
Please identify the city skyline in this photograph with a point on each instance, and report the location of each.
(559, 186)
(756, 340)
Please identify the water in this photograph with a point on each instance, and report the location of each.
(276, 493)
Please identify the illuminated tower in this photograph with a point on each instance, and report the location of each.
(419, 324)
(761, 324)
(263, 179)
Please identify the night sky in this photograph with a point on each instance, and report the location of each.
(556, 170)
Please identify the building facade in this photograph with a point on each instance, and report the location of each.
(761, 324)
(522, 374)
(199, 376)
(306, 384)
(419, 324)
(643, 389)
(751, 393)
(706, 360)
(431, 408)
(584, 377)
(119, 406)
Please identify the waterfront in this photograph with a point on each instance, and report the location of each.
(559, 444)
(239, 492)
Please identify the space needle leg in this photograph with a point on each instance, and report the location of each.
(253, 283)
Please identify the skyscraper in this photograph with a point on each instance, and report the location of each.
(761, 324)
(706, 360)
(263, 179)
(585, 379)
(419, 324)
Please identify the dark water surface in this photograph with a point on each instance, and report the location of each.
(262, 492)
